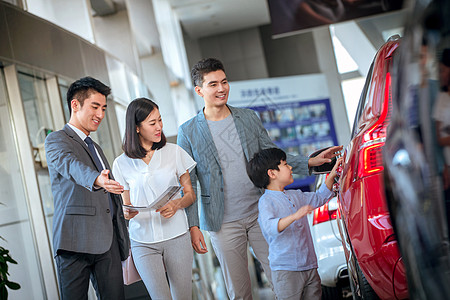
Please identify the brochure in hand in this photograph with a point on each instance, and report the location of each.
(159, 202)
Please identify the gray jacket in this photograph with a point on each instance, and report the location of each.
(194, 137)
(82, 219)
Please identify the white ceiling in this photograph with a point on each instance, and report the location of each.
(201, 18)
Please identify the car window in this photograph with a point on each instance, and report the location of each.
(362, 102)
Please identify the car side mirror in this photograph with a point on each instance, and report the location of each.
(324, 168)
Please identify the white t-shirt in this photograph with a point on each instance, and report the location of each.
(441, 112)
(147, 182)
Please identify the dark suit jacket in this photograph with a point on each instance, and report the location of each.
(82, 218)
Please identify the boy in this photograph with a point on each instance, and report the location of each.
(281, 217)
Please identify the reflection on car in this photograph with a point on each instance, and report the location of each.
(416, 182)
(375, 264)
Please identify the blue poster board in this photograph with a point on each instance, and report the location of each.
(299, 127)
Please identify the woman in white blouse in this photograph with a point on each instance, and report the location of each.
(160, 241)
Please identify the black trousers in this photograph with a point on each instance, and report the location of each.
(104, 270)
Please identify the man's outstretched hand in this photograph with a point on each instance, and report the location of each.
(325, 156)
(111, 186)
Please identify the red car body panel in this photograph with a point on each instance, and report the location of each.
(362, 202)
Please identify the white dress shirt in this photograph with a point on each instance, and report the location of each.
(146, 183)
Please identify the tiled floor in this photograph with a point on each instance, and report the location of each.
(267, 294)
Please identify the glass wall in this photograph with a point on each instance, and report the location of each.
(63, 88)
(39, 121)
(121, 112)
(15, 227)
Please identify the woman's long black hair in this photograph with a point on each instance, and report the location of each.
(137, 111)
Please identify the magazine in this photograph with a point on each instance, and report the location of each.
(159, 202)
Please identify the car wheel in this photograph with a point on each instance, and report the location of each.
(331, 293)
(367, 292)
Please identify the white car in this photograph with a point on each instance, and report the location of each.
(329, 251)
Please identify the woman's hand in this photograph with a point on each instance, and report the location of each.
(129, 213)
(168, 210)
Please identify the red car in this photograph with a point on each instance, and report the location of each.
(374, 262)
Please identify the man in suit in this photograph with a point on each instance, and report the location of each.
(90, 237)
(222, 139)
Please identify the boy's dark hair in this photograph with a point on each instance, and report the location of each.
(203, 67)
(267, 159)
(83, 88)
(137, 111)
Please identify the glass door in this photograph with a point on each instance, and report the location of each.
(39, 122)
(16, 230)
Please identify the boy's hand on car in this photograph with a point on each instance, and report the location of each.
(335, 172)
(339, 164)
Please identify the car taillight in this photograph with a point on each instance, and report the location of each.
(326, 212)
(370, 158)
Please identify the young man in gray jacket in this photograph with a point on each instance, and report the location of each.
(222, 139)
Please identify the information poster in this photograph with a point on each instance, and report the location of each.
(295, 110)
(299, 128)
